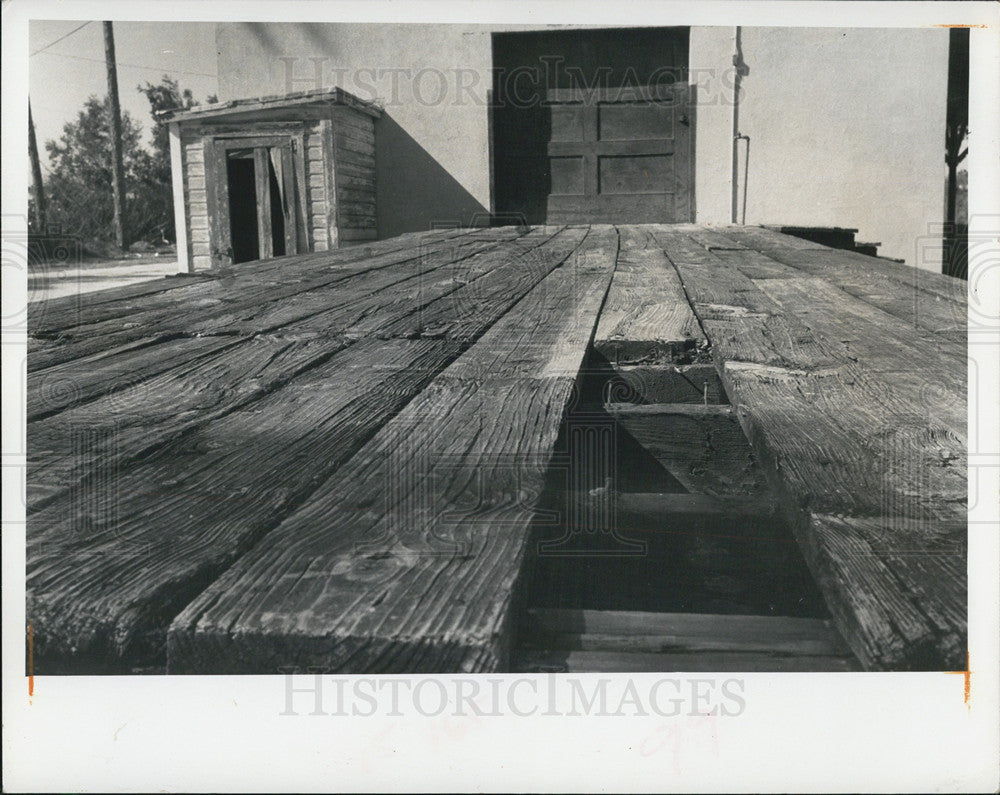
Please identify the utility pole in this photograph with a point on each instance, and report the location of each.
(956, 239)
(36, 175)
(117, 168)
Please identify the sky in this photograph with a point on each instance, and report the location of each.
(62, 74)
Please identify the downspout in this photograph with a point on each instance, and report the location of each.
(737, 135)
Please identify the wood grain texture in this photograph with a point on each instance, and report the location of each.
(138, 417)
(857, 412)
(682, 633)
(89, 329)
(409, 561)
(137, 411)
(702, 447)
(248, 305)
(926, 303)
(334, 459)
(646, 317)
(346, 396)
(106, 571)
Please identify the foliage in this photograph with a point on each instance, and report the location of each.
(79, 186)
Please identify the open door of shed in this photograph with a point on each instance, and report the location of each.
(253, 212)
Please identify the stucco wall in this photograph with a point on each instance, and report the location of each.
(432, 164)
(846, 125)
(846, 129)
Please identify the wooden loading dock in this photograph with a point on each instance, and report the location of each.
(370, 460)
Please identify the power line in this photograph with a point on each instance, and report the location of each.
(51, 43)
(133, 65)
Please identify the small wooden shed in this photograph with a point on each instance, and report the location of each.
(266, 177)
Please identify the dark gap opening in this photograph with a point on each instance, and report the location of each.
(277, 208)
(242, 188)
(592, 551)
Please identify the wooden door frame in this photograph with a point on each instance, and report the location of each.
(217, 193)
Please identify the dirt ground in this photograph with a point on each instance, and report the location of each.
(87, 277)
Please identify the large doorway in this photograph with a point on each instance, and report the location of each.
(593, 126)
(255, 212)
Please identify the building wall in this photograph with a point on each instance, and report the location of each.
(432, 164)
(353, 162)
(196, 200)
(846, 125)
(846, 129)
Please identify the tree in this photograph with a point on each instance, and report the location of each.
(165, 95)
(79, 182)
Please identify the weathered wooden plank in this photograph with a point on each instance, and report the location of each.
(355, 139)
(803, 254)
(355, 125)
(117, 428)
(625, 662)
(845, 427)
(364, 161)
(914, 295)
(163, 406)
(906, 607)
(56, 313)
(102, 584)
(843, 446)
(702, 447)
(368, 303)
(67, 313)
(495, 280)
(424, 581)
(760, 238)
(69, 384)
(81, 380)
(882, 340)
(351, 235)
(213, 537)
(740, 321)
(361, 194)
(245, 293)
(646, 317)
(610, 630)
(711, 239)
(755, 265)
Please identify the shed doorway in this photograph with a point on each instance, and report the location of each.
(593, 126)
(256, 213)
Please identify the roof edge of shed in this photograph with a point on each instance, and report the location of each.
(314, 97)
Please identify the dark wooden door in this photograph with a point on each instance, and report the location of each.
(619, 155)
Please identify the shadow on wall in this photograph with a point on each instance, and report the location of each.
(413, 191)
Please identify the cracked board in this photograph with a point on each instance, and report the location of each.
(238, 302)
(111, 560)
(858, 417)
(135, 384)
(48, 318)
(646, 318)
(428, 580)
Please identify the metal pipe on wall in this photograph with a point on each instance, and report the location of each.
(746, 173)
(737, 78)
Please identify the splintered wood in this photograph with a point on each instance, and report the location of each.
(408, 559)
(853, 397)
(333, 460)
